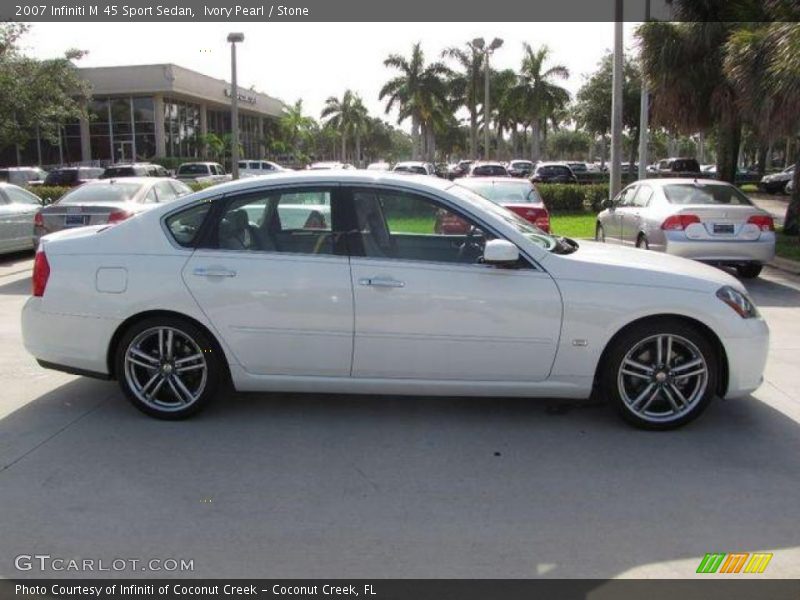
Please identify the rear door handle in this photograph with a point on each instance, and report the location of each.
(382, 282)
(214, 272)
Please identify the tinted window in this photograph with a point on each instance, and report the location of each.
(104, 192)
(686, 166)
(507, 193)
(61, 177)
(296, 221)
(193, 169)
(489, 171)
(704, 193)
(186, 224)
(120, 172)
(405, 226)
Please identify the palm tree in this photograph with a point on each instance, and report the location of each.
(465, 86)
(506, 107)
(417, 92)
(296, 128)
(537, 93)
(763, 62)
(338, 114)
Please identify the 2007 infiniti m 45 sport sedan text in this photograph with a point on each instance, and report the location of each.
(337, 282)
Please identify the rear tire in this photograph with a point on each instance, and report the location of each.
(168, 367)
(749, 271)
(660, 374)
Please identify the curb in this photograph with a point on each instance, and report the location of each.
(785, 264)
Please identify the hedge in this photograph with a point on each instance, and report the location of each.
(562, 198)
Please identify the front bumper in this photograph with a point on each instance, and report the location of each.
(747, 357)
(759, 251)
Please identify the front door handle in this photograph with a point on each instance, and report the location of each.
(214, 272)
(382, 282)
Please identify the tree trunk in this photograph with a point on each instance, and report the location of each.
(414, 137)
(729, 135)
(473, 131)
(701, 147)
(535, 140)
(358, 150)
(432, 144)
(791, 222)
(762, 159)
(344, 147)
(603, 152)
(632, 172)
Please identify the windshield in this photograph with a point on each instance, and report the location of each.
(193, 170)
(506, 193)
(705, 193)
(534, 234)
(109, 192)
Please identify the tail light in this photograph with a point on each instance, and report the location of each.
(118, 216)
(764, 222)
(38, 220)
(41, 273)
(679, 222)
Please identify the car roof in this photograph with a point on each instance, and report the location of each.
(470, 181)
(114, 180)
(662, 181)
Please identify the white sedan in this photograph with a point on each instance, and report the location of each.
(216, 288)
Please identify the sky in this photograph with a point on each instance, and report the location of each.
(313, 61)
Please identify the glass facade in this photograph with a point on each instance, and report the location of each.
(248, 135)
(181, 128)
(122, 129)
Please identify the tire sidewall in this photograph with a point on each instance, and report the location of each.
(201, 338)
(632, 336)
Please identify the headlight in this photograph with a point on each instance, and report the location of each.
(738, 302)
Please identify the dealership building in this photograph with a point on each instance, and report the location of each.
(143, 112)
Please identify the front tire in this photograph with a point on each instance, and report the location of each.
(660, 374)
(749, 271)
(641, 242)
(168, 367)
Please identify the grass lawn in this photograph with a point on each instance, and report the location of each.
(573, 226)
(787, 246)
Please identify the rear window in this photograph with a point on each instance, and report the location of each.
(686, 165)
(411, 169)
(61, 177)
(193, 170)
(489, 171)
(704, 193)
(107, 192)
(185, 225)
(507, 193)
(118, 172)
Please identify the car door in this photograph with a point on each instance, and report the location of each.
(279, 294)
(616, 215)
(22, 207)
(7, 233)
(634, 214)
(427, 309)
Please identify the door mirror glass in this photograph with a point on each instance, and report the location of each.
(498, 252)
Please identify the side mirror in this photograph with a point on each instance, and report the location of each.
(500, 252)
(608, 203)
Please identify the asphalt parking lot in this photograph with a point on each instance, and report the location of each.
(276, 485)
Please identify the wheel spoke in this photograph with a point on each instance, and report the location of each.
(659, 355)
(689, 365)
(169, 344)
(161, 343)
(192, 358)
(635, 374)
(700, 371)
(182, 387)
(189, 368)
(152, 394)
(150, 382)
(145, 357)
(671, 399)
(650, 400)
(668, 357)
(635, 404)
(140, 363)
(637, 365)
(679, 394)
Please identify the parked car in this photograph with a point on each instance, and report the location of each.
(106, 201)
(72, 176)
(550, 172)
(377, 304)
(578, 168)
(414, 167)
(789, 187)
(330, 165)
(379, 166)
(703, 219)
(488, 169)
(18, 207)
(518, 196)
(254, 168)
(460, 169)
(520, 168)
(678, 167)
(22, 176)
(776, 182)
(202, 172)
(134, 170)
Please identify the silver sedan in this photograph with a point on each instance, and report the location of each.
(706, 220)
(18, 208)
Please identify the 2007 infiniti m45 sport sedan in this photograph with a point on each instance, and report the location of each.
(336, 281)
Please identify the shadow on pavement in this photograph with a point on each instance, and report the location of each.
(773, 293)
(294, 485)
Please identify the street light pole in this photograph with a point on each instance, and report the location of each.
(644, 110)
(479, 45)
(233, 38)
(616, 105)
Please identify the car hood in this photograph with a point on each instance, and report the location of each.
(606, 263)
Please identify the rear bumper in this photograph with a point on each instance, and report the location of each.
(759, 251)
(69, 343)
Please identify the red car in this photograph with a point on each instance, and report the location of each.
(517, 195)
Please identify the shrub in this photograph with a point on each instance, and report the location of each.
(48, 193)
(200, 185)
(562, 198)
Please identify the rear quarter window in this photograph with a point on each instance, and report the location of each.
(184, 226)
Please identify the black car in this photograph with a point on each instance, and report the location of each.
(678, 167)
(553, 173)
(72, 176)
